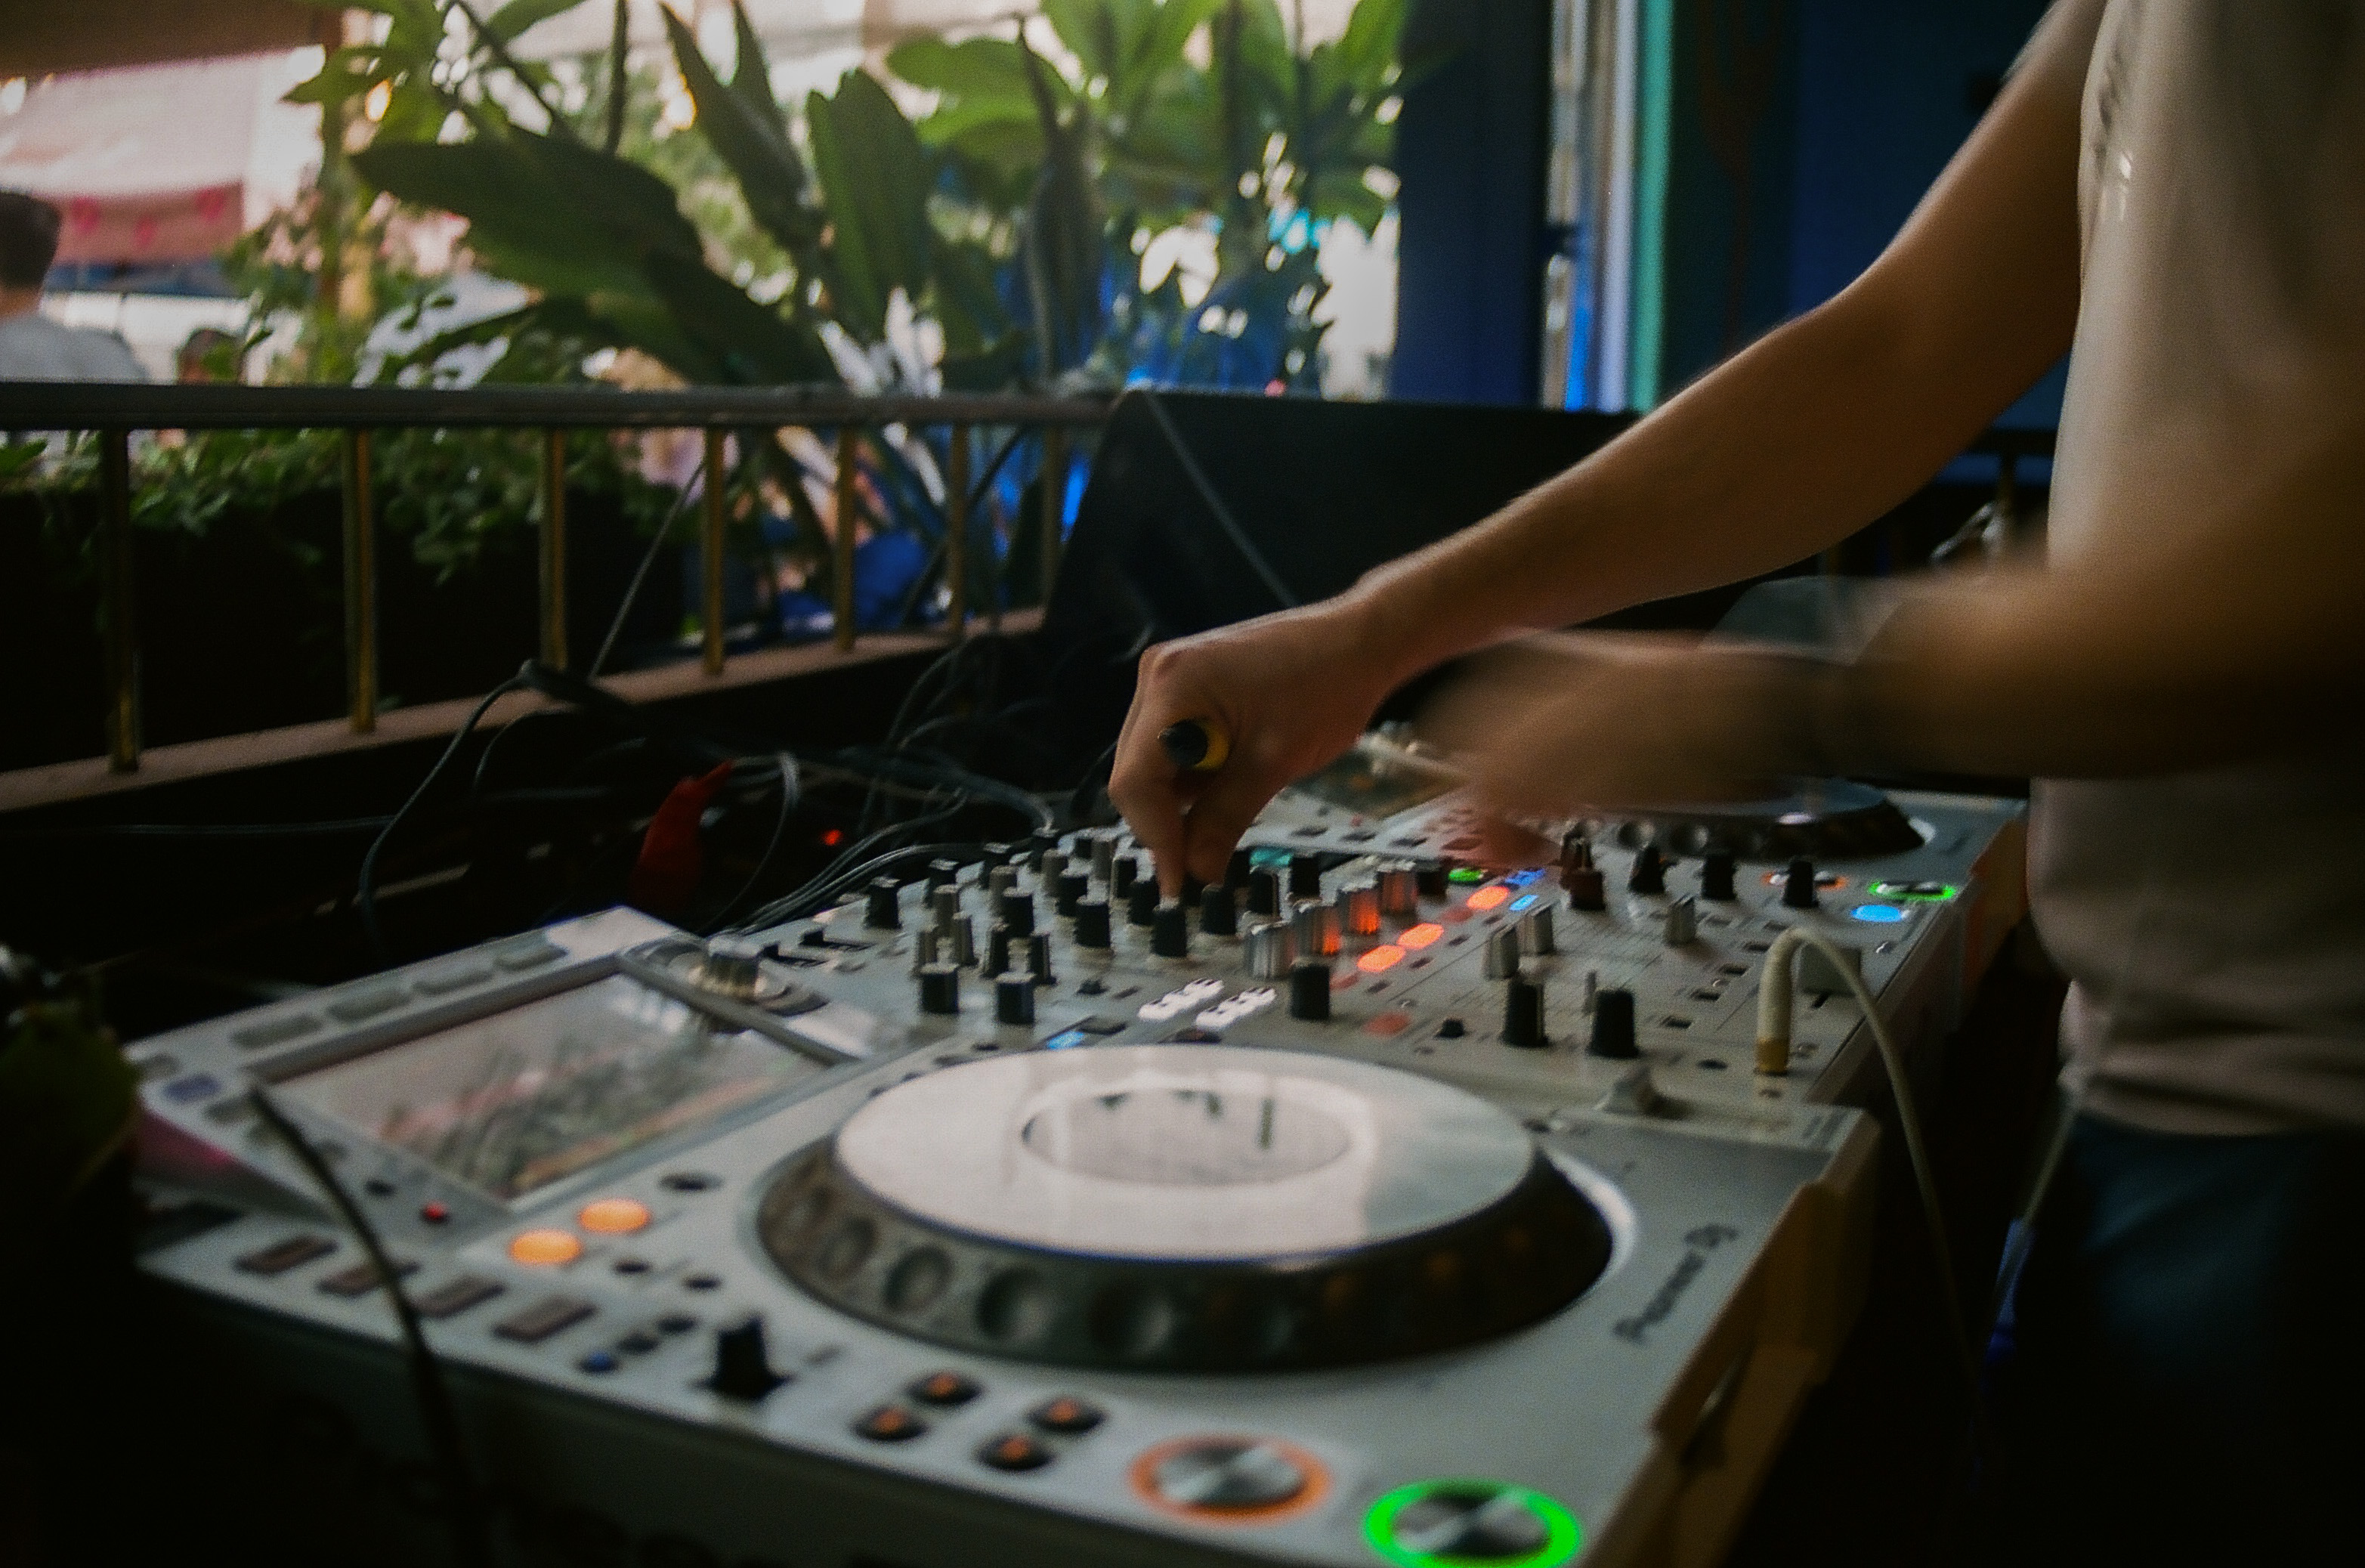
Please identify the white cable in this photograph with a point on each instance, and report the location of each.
(1774, 1009)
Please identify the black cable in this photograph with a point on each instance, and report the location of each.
(365, 888)
(648, 559)
(789, 797)
(1215, 507)
(437, 1418)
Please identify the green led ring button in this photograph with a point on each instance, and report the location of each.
(1467, 1523)
(1916, 892)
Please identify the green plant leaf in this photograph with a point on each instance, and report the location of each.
(748, 343)
(751, 74)
(874, 178)
(757, 152)
(517, 15)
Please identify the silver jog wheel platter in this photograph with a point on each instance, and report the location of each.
(1188, 1208)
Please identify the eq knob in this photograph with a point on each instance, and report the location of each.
(1399, 891)
(1124, 873)
(1313, 925)
(1000, 880)
(1069, 891)
(742, 1367)
(1265, 892)
(1051, 867)
(940, 990)
(1014, 1000)
(960, 945)
(1018, 912)
(1716, 876)
(1309, 990)
(1586, 890)
(883, 909)
(1523, 1013)
(944, 906)
(1613, 1027)
(1502, 955)
(1305, 876)
(1798, 885)
(1430, 882)
(1103, 857)
(1270, 950)
(1141, 903)
(1359, 911)
(1682, 926)
(1038, 958)
(1238, 870)
(1093, 923)
(924, 949)
(997, 951)
(943, 873)
(1536, 933)
(1170, 930)
(1218, 916)
(1649, 874)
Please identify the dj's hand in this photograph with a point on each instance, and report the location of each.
(1289, 692)
(1569, 724)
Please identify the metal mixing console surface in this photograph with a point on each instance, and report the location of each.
(1006, 1215)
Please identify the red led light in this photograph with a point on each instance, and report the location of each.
(1419, 936)
(1379, 961)
(1490, 897)
(832, 839)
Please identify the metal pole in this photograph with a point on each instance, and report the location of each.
(116, 565)
(842, 554)
(361, 587)
(1055, 502)
(553, 548)
(957, 532)
(711, 611)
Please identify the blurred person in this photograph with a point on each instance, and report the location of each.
(2177, 193)
(208, 356)
(33, 347)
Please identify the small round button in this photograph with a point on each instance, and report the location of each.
(434, 1214)
(613, 1216)
(1015, 1452)
(1231, 1479)
(599, 1361)
(545, 1249)
(947, 1390)
(1470, 1521)
(890, 1424)
(1066, 1415)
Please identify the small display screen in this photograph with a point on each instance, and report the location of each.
(510, 1103)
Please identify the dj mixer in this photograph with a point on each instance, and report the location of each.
(1368, 1208)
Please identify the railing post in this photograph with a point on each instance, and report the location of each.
(957, 531)
(842, 540)
(553, 548)
(361, 587)
(1054, 481)
(717, 517)
(116, 565)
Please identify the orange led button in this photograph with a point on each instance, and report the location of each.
(1489, 898)
(613, 1216)
(546, 1246)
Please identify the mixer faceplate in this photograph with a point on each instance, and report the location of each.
(1185, 1207)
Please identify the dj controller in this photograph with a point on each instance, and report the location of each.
(1369, 1208)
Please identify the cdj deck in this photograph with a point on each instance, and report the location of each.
(1369, 1208)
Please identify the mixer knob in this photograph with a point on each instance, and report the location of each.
(940, 990)
(1013, 1000)
(1399, 891)
(1170, 930)
(943, 874)
(1072, 887)
(1799, 884)
(1237, 868)
(1586, 891)
(1000, 880)
(1141, 903)
(944, 906)
(1218, 916)
(743, 1368)
(1592, 992)
(1314, 927)
(1305, 876)
(1038, 958)
(1536, 931)
(1359, 910)
(1051, 868)
(1093, 923)
(1430, 882)
(1613, 1027)
(924, 950)
(1716, 876)
(1524, 1014)
(997, 951)
(1309, 990)
(1270, 950)
(1265, 892)
(959, 946)
(1575, 852)
(883, 910)
(733, 965)
(1125, 873)
(1502, 954)
(1103, 857)
(1650, 871)
(1682, 928)
(1018, 912)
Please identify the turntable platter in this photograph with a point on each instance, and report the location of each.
(1185, 1208)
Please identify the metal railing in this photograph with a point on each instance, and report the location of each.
(113, 412)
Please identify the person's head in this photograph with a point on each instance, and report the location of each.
(28, 241)
(208, 354)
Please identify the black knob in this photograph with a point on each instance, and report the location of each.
(1716, 876)
(1576, 851)
(1072, 887)
(1309, 990)
(742, 1368)
(1586, 890)
(1452, 1029)
(1124, 872)
(1170, 930)
(1038, 958)
(1305, 876)
(1237, 869)
(1430, 881)
(1649, 873)
(1018, 913)
(884, 912)
(940, 990)
(1141, 903)
(1613, 1027)
(1523, 1013)
(998, 855)
(997, 951)
(1265, 892)
(1799, 884)
(1218, 916)
(1014, 1000)
(943, 874)
(1093, 923)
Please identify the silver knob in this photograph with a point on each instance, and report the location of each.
(1315, 925)
(1683, 921)
(1536, 931)
(1055, 866)
(1592, 989)
(734, 966)
(960, 945)
(1270, 950)
(924, 950)
(1359, 910)
(1000, 880)
(1502, 955)
(1103, 856)
(1399, 889)
(944, 906)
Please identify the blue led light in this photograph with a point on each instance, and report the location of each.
(1065, 1039)
(1877, 914)
(1527, 878)
(1525, 902)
